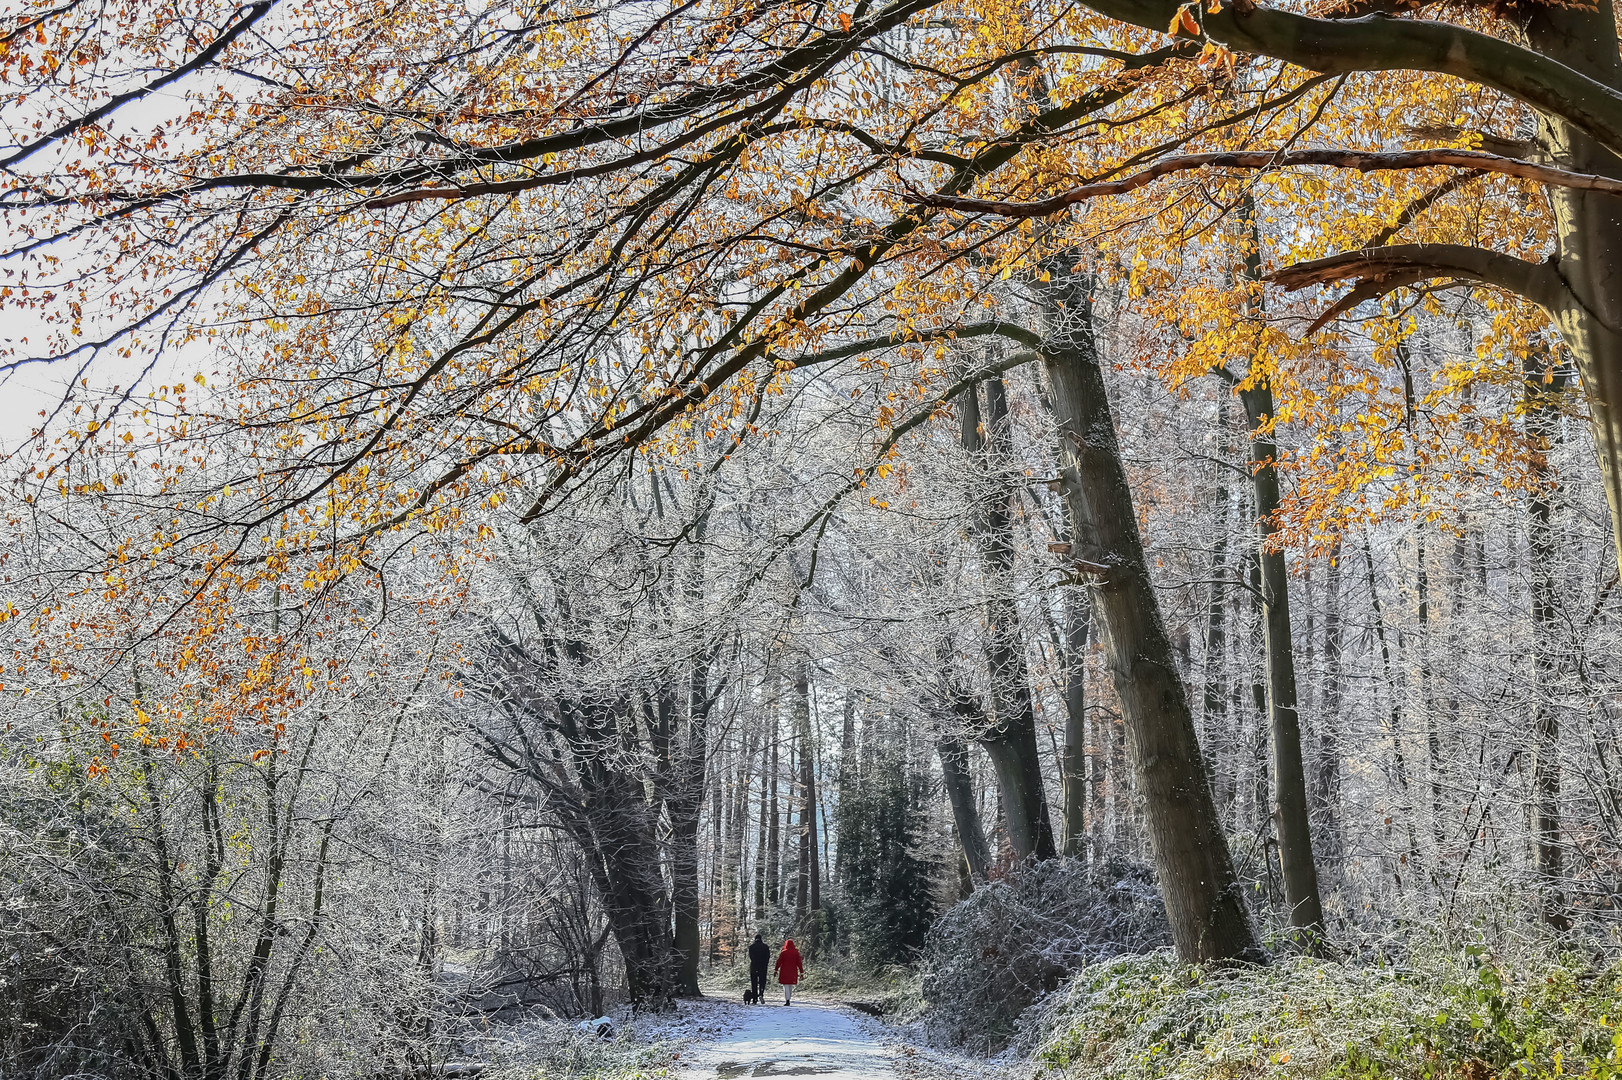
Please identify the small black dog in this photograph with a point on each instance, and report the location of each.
(750, 998)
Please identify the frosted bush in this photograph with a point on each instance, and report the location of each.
(986, 960)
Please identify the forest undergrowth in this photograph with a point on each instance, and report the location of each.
(1473, 1013)
(1412, 1004)
(644, 1047)
(1518, 1008)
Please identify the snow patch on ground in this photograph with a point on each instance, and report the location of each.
(916, 1060)
(698, 1020)
(805, 1039)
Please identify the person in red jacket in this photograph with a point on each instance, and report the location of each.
(789, 965)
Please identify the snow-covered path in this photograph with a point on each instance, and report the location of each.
(796, 1040)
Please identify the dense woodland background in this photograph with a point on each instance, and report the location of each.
(553, 536)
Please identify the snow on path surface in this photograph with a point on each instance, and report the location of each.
(803, 1039)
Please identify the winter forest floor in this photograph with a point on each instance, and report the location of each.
(813, 1037)
(1523, 1009)
(716, 1037)
(807, 1038)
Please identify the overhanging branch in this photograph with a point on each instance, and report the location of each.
(1379, 43)
(1362, 160)
(1375, 272)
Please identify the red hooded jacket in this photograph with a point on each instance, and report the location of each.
(789, 964)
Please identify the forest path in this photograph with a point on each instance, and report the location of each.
(803, 1039)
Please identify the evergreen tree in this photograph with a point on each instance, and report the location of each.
(892, 885)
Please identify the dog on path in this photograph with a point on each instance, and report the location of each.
(751, 998)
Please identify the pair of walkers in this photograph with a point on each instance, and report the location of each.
(788, 967)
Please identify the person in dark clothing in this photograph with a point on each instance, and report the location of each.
(760, 959)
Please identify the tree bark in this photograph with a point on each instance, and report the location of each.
(761, 833)
(685, 801)
(569, 747)
(1542, 422)
(732, 864)
(1214, 718)
(1326, 790)
(1588, 229)
(1077, 629)
(774, 844)
(807, 886)
(1293, 825)
(808, 872)
(1398, 759)
(847, 778)
(718, 808)
(955, 777)
(1207, 914)
(1011, 740)
(684, 806)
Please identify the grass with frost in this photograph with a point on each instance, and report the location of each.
(1472, 1016)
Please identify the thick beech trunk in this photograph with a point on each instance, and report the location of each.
(1588, 229)
(634, 895)
(569, 748)
(1209, 921)
(1011, 740)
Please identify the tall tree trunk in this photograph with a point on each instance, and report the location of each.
(762, 831)
(1206, 911)
(737, 826)
(962, 713)
(1588, 227)
(808, 883)
(1398, 758)
(1542, 423)
(1077, 627)
(774, 844)
(809, 784)
(1294, 828)
(1422, 648)
(684, 805)
(802, 741)
(847, 779)
(1011, 740)
(1214, 720)
(608, 809)
(959, 784)
(685, 802)
(1326, 790)
(1261, 797)
(718, 813)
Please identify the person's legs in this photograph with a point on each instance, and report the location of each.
(757, 981)
(788, 992)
